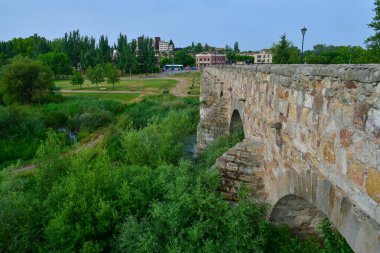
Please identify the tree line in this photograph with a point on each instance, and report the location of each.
(83, 52)
(284, 52)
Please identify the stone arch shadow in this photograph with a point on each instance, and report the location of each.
(236, 117)
(358, 229)
(236, 123)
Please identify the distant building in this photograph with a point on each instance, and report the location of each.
(264, 57)
(157, 43)
(207, 59)
(164, 46)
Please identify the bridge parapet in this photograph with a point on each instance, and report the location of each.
(320, 131)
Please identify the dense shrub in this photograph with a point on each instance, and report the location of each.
(155, 108)
(150, 201)
(25, 82)
(22, 128)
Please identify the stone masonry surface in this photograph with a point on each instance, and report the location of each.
(312, 131)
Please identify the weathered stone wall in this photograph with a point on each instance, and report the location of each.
(312, 131)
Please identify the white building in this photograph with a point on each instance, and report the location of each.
(165, 46)
(264, 56)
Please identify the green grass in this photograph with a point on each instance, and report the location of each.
(124, 84)
(124, 97)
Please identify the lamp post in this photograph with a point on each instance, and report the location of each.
(303, 31)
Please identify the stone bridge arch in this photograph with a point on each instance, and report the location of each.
(236, 123)
(310, 131)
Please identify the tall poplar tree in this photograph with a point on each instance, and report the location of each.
(373, 42)
(122, 52)
(131, 57)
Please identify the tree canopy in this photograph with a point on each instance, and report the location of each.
(59, 63)
(26, 81)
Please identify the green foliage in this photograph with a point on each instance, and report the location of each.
(236, 47)
(245, 58)
(182, 57)
(333, 241)
(281, 51)
(164, 61)
(110, 72)
(77, 78)
(95, 74)
(323, 54)
(122, 49)
(158, 142)
(59, 63)
(23, 127)
(146, 55)
(373, 42)
(131, 62)
(156, 108)
(148, 201)
(103, 52)
(25, 82)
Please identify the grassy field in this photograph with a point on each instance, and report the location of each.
(194, 78)
(125, 84)
(124, 97)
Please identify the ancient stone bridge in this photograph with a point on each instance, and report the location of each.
(311, 131)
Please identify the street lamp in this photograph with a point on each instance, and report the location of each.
(303, 31)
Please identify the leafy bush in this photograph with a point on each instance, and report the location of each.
(25, 82)
(156, 108)
(333, 241)
(22, 128)
(158, 142)
(149, 201)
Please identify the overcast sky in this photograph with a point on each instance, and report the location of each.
(255, 24)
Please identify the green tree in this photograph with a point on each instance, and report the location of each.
(71, 45)
(131, 55)
(59, 63)
(26, 81)
(281, 51)
(111, 74)
(198, 48)
(182, 57)
(146, 57)
(207, 47)
(77, 78)
(236, 47)
(230, 54)
(373, 42)
(103, 50)
(88, 52)
(95, 74)
(122, 52)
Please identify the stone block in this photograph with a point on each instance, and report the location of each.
(300, 97)
(329, 153)
(360, 114)
(309, 100)
(373, 184)
(341, 161)
(356, 173)
(323, 191)
(367, 240)
(345, 137)
(232, 166)
(343, 114)
(372, 125)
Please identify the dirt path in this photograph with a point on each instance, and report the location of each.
(90, 144)
(180, 90)
(101, 91)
